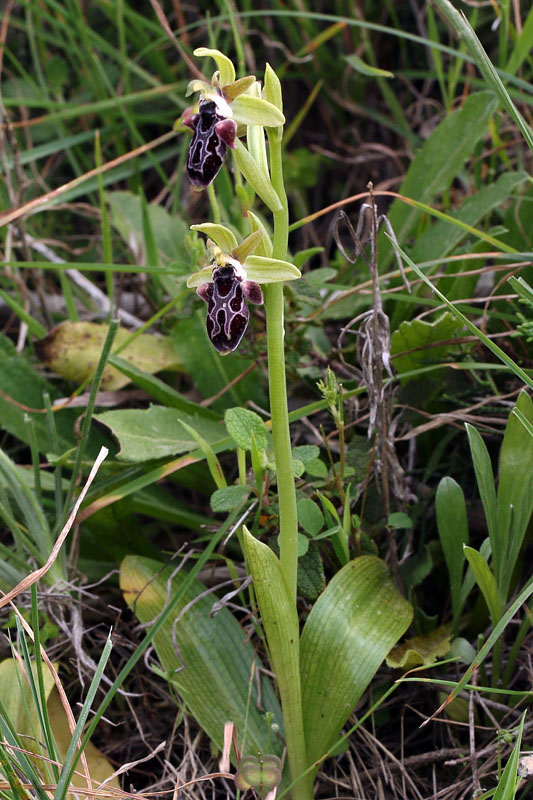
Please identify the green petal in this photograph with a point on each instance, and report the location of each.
(225, 67)
(233, 90)
(198, 86)
(202, 276)
(219, 234)
(247, 246)
(272, 89)
(270, 270)
(264, 248)
(255, 111)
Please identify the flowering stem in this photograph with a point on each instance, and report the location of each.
(289, 693)
(277, 382)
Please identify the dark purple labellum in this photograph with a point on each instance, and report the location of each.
(227, 312)
(213, 134)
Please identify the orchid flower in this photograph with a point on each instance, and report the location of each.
(224, 104)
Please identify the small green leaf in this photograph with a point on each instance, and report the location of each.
(249, 110)
(229, 498)
(219, 234)
(225, 66)
(486, 582)
(316, 468)
(363, 68)
(298, 468)
(399, 521)
(212, 461)
(310, 516)
(351, 628)
(306, 453)
(240, 422)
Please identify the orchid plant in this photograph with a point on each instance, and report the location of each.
(227, 109)
(254, 271)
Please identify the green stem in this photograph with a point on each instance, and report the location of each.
(277, 382)
(291, 699)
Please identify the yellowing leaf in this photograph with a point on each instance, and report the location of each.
(421, 650)
(16, 694)
(73, 349)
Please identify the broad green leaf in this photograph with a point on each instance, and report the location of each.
(441, 237)
(311, 578)
(363, 68)
(414, 337)
(18, 701)
(421, 650)
(169, 230)
(484, 478)
(229, 497)
(155, 432)
(219, 234)
(210, 373)
(438, 162)
(351, 628)
(23, 390)
(453, 532)
(240, 422)
(249, 110)
(399, 520)
(280, 622)
(225, 66)
(209, 660)
(486, 582)
(515, 494)
(72, 350)
(310, 516)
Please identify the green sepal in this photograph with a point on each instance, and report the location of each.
(250, 110)
(225, 67)
(270, 270)
(219, 234)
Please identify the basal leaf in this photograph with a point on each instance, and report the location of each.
(453, 531)
(209, 660)
(229, 497)
(351, 628)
